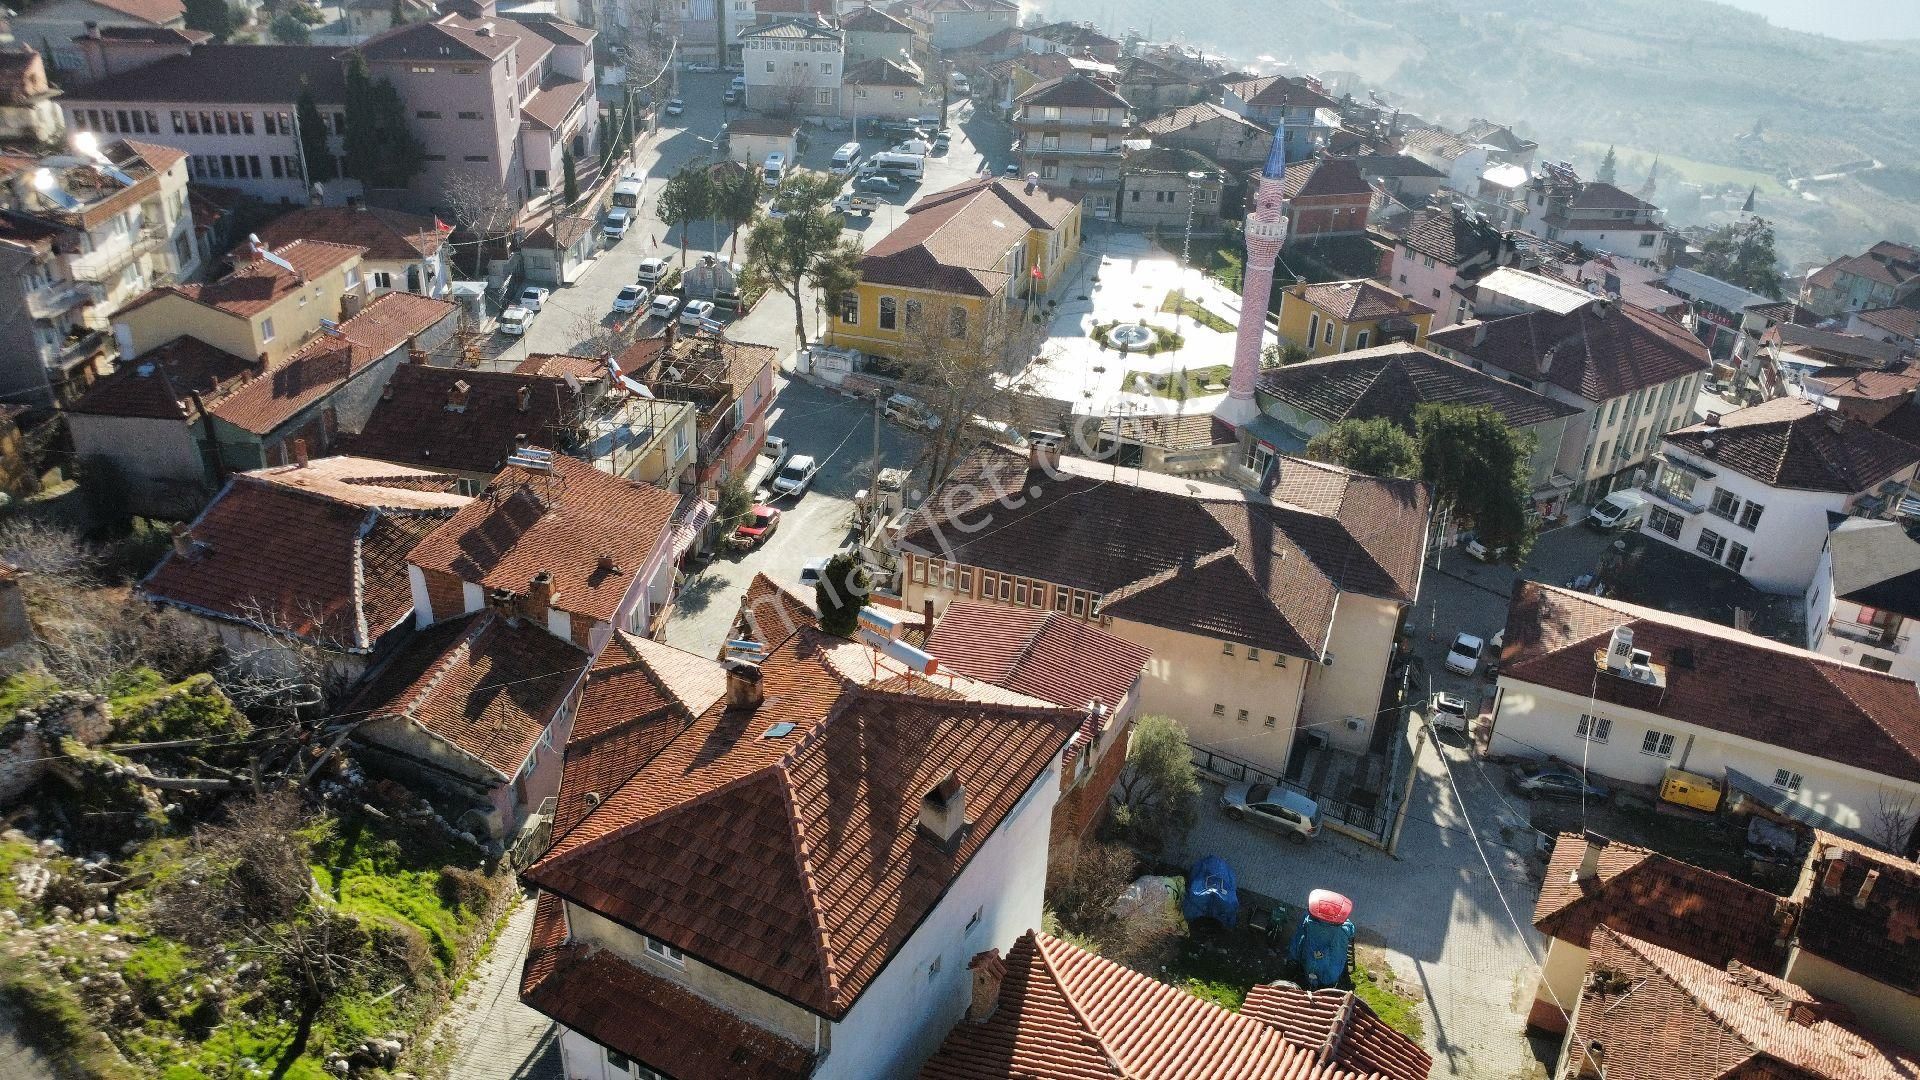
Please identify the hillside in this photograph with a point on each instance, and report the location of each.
(1681, 79)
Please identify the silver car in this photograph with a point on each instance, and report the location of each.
(1277, 808)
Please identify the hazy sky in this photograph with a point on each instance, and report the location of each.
(1851, 19)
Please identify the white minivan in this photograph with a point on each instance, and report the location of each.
(774, 168)
(1621, 510)
(845, 158)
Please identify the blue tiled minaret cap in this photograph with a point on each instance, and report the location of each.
(1277, 157)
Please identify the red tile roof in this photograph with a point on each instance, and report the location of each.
(794, 861)
(1359, 299)
(1654, 1014)
(1721, 679)
(1899, 321)
(1878, 936)
(1344, 1029)
(1391, 381)
(227, 74)
(554, 102)
(483, 684)
(654, 1021)
(1042, 654)
(770, 612)
(327, 564)
(1066, 1014)
(255, 286)
(157, 12)
(416, 422)
(387, 235)
(592, 531)
(872, 20)
(1222, 563)
(1076, 90)
(1790, 442)
(1885, 263)
(1601, 351)
(159, 384)
(1326, 177)
(1278, 90)
(957, 240)
(329, 361)
(1708, 916)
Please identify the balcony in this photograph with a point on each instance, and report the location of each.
(102, 266)
(1886, 639)
(1685, 506)
(74, 351)
(1109, 153)
(1064, 123)
(61, 296)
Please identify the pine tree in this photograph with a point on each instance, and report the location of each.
(569, 181)
(212, 16)
(381, 151)
(313, 137)
(397, 15)
(1606, 167)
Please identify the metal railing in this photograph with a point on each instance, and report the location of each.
(1372, 820)
(1874, 636)
(535, 833)
(50, 300)
(1672, 499)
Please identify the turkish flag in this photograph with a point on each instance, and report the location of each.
(441, 225)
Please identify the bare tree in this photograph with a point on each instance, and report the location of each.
(1895, 814)
(968, 365)
(482, 209)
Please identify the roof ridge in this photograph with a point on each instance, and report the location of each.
(1042, 946)
(363, 636)
(1828, 673)
(1639, 946)
(803, 858)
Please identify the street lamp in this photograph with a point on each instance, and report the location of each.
(1186, 244)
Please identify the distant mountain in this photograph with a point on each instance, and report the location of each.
(1690, 81)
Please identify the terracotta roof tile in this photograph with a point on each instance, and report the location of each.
(1054, 657)
(872, 20)
(1067, 1014)
(794, 861)
(592, 531)
(1343, 1028)
(1899, 321)
(329, 361)
(554, 102)
(326, 565)
(480, 683)
(770, 612)
(387, 235)
(1074, 91)
(957, 240)
(1223, 563)
(1723, 679)
(653, 1021)
(1790, 442)
(1879, 936)
(1322, 177)
(1597, 352)
(1359, 299)
(1708, 916)
(255, 286)
(416, 421)
(1657, 1015)
(157, 12)
(214, 72)
(1389, 382)
(1452, 237)
(159, 384)
(1278, 90)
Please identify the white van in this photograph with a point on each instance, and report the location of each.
(960, 85)
(627, 193)
(1621, 510)
(898, 166)
(845, 158)
(774, 168)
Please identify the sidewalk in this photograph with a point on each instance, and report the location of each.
(495, 1037)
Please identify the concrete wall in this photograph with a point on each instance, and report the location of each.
(1884, 1010)
(1562, 972)
(1532, 722)
(1783, 551)
(159, 461)
(1360, 646)
(785, 76)
(959, 29)
(452, 141)
(167, 316)
(1431, 282)
(1159, 201)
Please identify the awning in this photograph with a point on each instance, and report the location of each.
(1781, 803)
(1275, 434)
(686, 532)
(1684, 465)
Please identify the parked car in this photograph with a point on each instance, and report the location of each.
(1012, 168)
(1447, 712)
(760, 523)
(1288, 812)
(731, 97)
(812, 570)
(650, 271)
(514, 320)
(615, 227)
(664, 306)
(1474, 548)
(774, 449)
(849, 203)
(909, 412)
(676, 106)
(631, 299)
(1621, 510)
(533, 297)
(942, 142)
(796, 476)
(1553, 782)
(695, 312)
(701, 67)
(877, 182)
(1464, 657)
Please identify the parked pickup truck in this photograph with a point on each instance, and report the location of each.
(856, 204)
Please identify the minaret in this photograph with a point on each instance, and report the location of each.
(1266, 232)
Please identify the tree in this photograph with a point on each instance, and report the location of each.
(735, 502)
(1480, 470)
(841, 593)
(481, 208)
(569, 180)
(289, 30)
(966, 362)
(212, 16)
(382, 151)
(686, 198)
(805, 245)
(397, 14)
(1154, 800)
(1741, 253)
(1376, 447)
(313, 137)
(1607, 166)
(736, 199)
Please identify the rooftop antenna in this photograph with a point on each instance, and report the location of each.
(260, 250)
(89, 145)
(48, 187)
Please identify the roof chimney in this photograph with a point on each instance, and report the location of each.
(539, 598)
(1713, 420)
(523, 398)
(484, 29)
(943, 811)
(417, 356)
(1033, 182)
(1590, 857)
(1835, 873)
(927, 618)
(743, 686)
(989, 972)
(299, 453)
(501, 601)
(457, 396)
(1866, 888)
(1480, 333)
(93, 29)
(182, 541)
(1620, 650)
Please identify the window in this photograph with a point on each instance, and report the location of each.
(826, 67)
(1750, 515)
(471, 116)
(1253, 653)
(1593, 728)
(913, 314)
(1604, 443)
(1049, 171)
(1657, 743)
(1725, 504)
(956, 321)
(1711, 544)
(382, 279)
(1665, 522)
(947, 576)
(246, 122)
(477, 157)
(1648, 239)
(266, 329)
(1050, 112)
(769, 67)
(1313, 327)
(1677, 483)
(850, 308)
(888, 313)
(421, 69)
(919, 572)
(1736, 557)
(1613, 412)
(1787, 780)
(1243, 716)
(1360, 342)
(1219, 709)
(1428, 263)
(617, 1060)
(1226, 648)
(966, 579)
(278, 170)
(179, 122)
(1060, 600)
(825, 97)
(1279, 659)
(1079, 604)
(1273, 721)
(660, 950)
(978, 914)
(1020, 592)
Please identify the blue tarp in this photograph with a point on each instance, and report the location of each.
(1321, 949)
(1211, 893)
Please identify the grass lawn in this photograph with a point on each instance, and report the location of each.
(1177, 303)
(1169, 386)
(1221, 967)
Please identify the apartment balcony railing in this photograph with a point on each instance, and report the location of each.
(100, 267)
(1063, 123)
(72, 352)
(1873, 636)
(1685, 506)
(51, 300)
(1108, 152)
